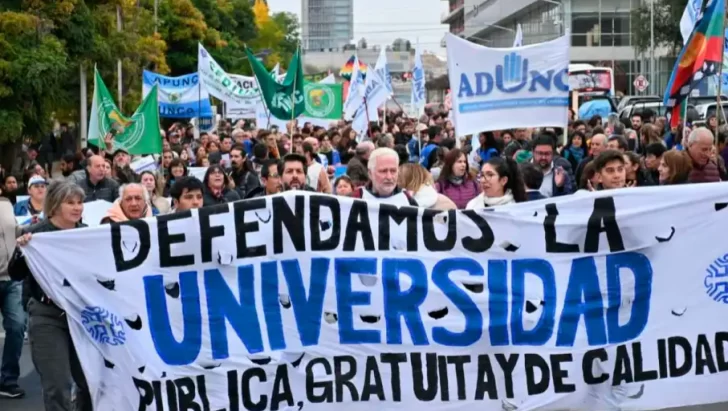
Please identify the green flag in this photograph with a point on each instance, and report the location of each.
(138, 134)
(284, 100)
(323, 100)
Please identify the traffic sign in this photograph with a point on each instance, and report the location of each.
(641, 83)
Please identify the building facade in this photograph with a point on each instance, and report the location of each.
(600, 32)
(326, 24)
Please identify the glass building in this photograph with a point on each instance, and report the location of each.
(326, 24)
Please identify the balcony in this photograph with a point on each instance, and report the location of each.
(456, 8)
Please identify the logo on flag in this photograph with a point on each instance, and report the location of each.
(320, 101)
(103, 326)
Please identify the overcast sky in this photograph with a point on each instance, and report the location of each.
(382, 21)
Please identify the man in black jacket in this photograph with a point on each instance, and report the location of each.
(94, 183)
(241, 171)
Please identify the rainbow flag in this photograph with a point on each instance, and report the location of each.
(348, 68)
(701, 57)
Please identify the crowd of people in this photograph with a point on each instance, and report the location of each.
(407, 161)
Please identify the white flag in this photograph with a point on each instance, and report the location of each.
(355, 97)
(518, 41)
(689, 18)
(418, 82)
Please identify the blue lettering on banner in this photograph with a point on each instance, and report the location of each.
(514, 317)
(513, 76)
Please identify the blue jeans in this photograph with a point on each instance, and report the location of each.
(14, 322)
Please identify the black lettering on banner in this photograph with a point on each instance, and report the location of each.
(662, 355)
(166, 259)
(142, 228)
(603, 219)
(482, 244)
(444, 385)
(293, 220)
(622, 367)
(721, 338)
(146, 393)
(486, 379)
(460, 361)
(592, 360)
(208, 232)
(233, 393)
(186, 394)
(640, 375)
(394, 359)
(245, 384)
(358, 224)
(508, 365)
(202, 391)
(315, 223)
(342, 379)
(281, 389)
(558, 375)
(422, 393)
(311, 384)
(549, 228)
(158, 394)
(171, 395)
(534, 386)
(243, 228)
(432, 243)
(389, 213)
(672, 346)
(372, 381)
(704, 357)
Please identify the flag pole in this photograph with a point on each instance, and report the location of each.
(369, 123)
(719, 103)
(293, 92)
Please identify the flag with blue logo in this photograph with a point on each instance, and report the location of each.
(418, 82)
(179, 97)
(355, 96)
(501, 88)
(518, 41)
(383, 69)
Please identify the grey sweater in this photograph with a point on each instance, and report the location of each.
(8, 233)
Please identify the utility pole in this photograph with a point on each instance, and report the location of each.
(83, 135)
(653, 80)
(120, 88)
(156, 21)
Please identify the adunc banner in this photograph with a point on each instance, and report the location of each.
(500, 88)
(179, 97)
(303, 301)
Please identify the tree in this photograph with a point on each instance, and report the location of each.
(32, 65)
(288, 24)
(667, 14)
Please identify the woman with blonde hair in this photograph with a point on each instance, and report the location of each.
(155, 187)
(417, 180)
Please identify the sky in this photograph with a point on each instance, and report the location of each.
(382, 21)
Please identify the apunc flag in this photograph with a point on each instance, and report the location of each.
(179, 97)
(418, 82)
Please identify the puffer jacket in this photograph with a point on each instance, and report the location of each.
(459, 194)
(106, 189)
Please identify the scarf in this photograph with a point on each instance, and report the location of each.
(577, 152)
(116, 214)
(456, 181)
(496, 201)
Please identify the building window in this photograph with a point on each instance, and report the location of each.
(600, 29)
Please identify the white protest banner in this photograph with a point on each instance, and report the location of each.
(95, 211)
(303, 301)
(144, 163)
(197, 172)
(219, 83)
(501, 88)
